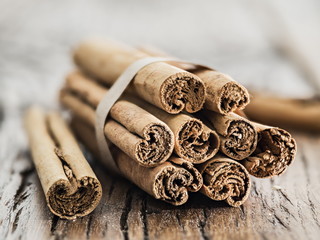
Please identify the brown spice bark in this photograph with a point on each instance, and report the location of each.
(225, 179)
(224, 95)
(275, 151)
(143, 137)
(168, 182)
(168, 87)
(300, 114)
(194, 141)
(71, 188)
(238, 136)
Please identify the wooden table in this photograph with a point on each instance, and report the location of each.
(253, 43)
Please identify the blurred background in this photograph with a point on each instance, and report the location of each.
(266, 45)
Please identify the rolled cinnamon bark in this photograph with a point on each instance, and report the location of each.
(168, 87)
(168, 182)
(238, 136)
(71, 188)
(224, 95)
(275, 151)
(225, 179)
(152, 143)
(194, 141)
(301, 114)
(197, 178)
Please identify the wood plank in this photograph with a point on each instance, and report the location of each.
(127, 212)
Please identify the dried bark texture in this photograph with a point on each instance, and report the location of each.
(275, 151)
(225, 179)
(143, 137)
(168, 182)
(197, 178)
(165, 182)
(224, 95)
(238, 136)
(168, 87)
(71, 188)
(193, 141)
(300, 114)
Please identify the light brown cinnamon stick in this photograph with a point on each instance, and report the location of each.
(301, 114)
(194, 141)
(187, 165)
(150, 146)
(224, 95)
(275, 151)
(238, 136)
(168, 182)
(168, 87)
(225, 179)
(71, 188)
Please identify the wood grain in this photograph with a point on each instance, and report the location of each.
(35, 42)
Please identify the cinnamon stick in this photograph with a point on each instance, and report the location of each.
(238, 136)
(225, 179)
(224, 94)
(71, 188)
(275, 151)
(168, 87)
(187, 165)
(194, 141)
(152, 143)
(169, 182)
(300, 114)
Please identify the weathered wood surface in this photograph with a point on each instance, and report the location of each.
(35, 41)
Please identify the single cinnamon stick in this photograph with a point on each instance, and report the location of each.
(168, 182)
(168, 87)
(238, 136)
(187, 165)
(225, 179)
(275, 151)
(194, 141)
(301, 114)
(71, 188)
(152, 143)
(224, 95)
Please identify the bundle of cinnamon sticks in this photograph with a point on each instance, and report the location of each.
(177, 128)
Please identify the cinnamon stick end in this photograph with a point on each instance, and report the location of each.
(72, 199)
